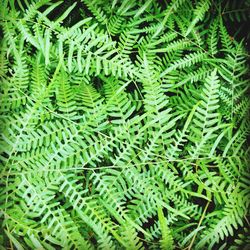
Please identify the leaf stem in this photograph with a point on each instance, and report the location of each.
(201, 219)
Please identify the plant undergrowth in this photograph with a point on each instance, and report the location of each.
(124, 125)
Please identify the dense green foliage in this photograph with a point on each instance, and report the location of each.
(124, 125)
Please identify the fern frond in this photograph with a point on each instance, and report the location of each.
(167, 240)
(236, 11)
(213, 38)
(130, 237)
(187, 61)
(124, 124)
(224, 226)
(199, 12)
(206, 118)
